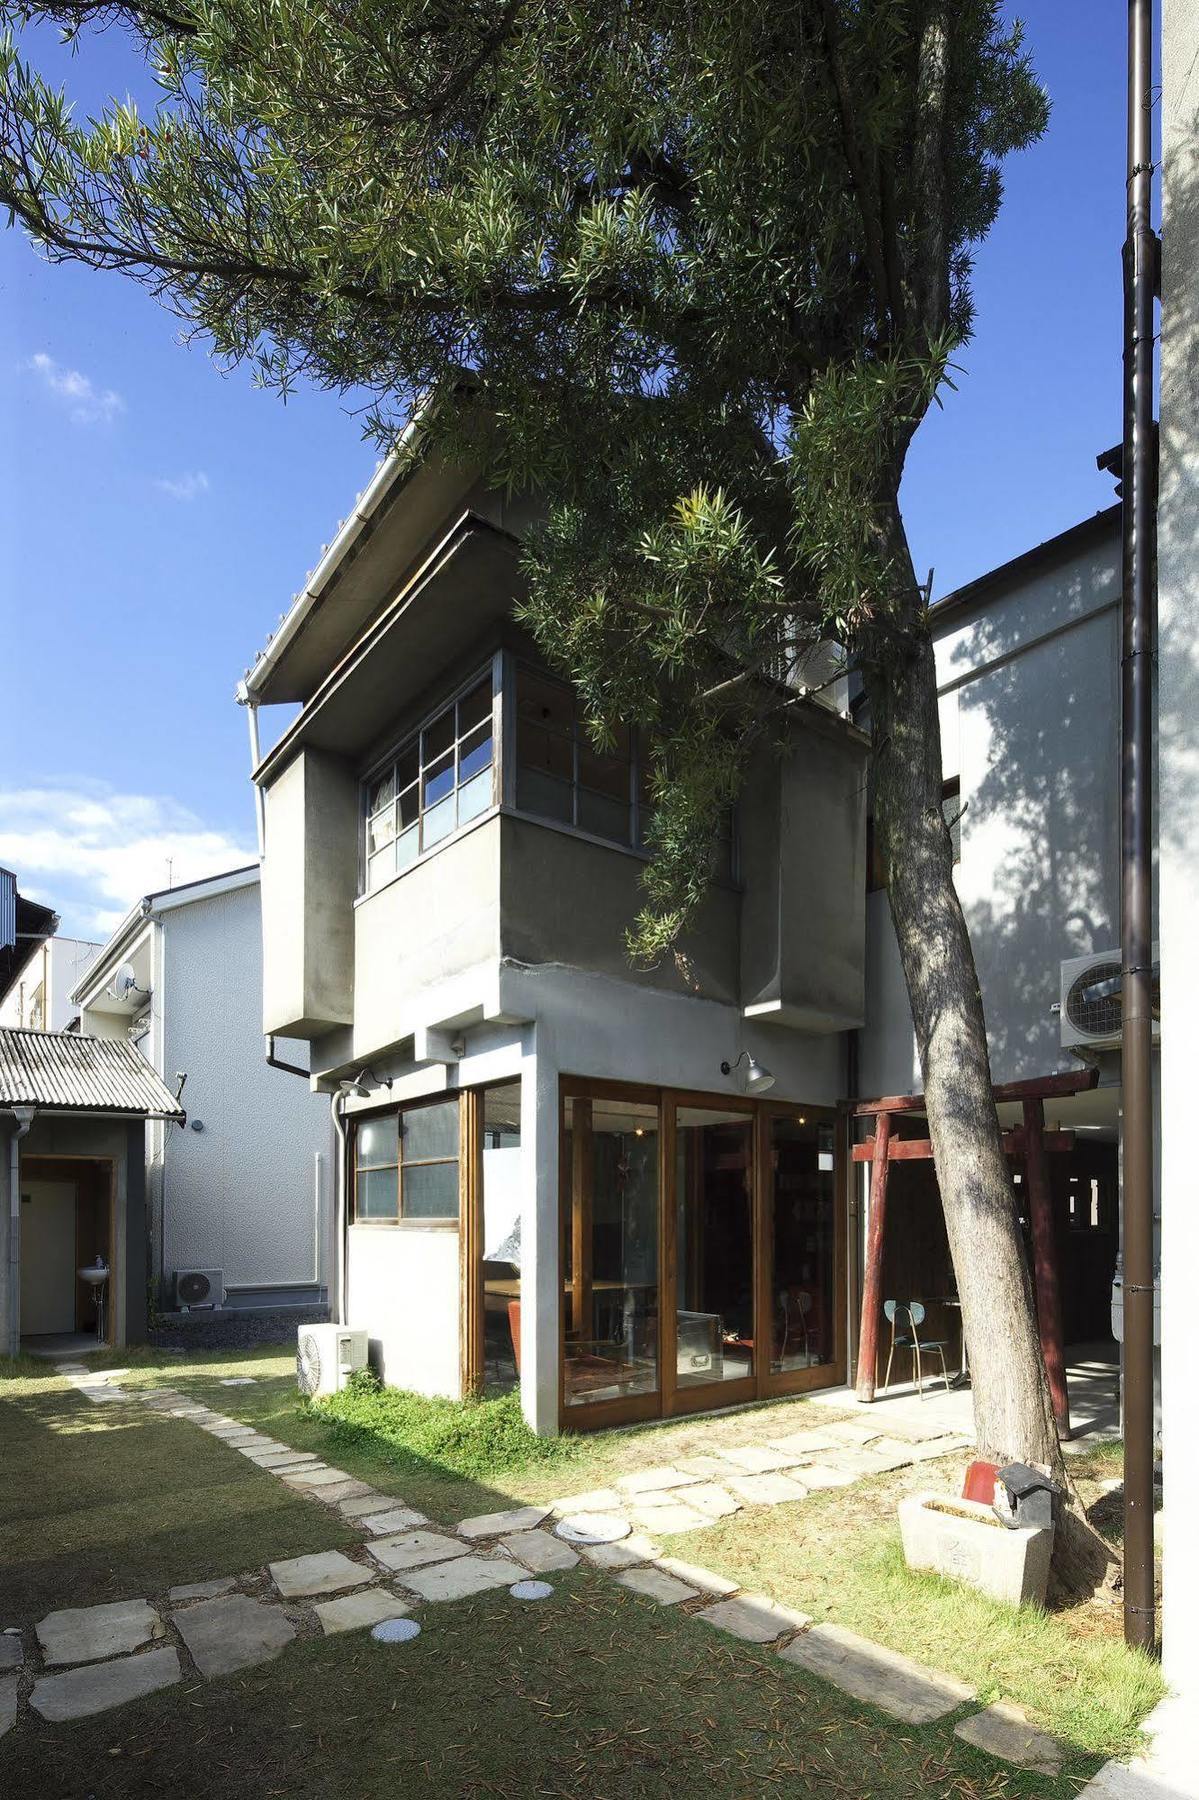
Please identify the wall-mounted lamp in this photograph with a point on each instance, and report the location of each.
(757, 1079)
(364, 1084)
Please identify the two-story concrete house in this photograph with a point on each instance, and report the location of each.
(623, 1191)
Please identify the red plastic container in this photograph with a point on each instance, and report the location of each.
(980, 1483)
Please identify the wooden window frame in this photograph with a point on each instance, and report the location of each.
(472, 1319)
(417, 1222)
(763, 1384)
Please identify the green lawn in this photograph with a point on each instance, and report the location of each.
(108, 1502)
(836, 1557)
(591, 1695)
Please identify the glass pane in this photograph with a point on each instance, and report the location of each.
(407, 767)
(407, 847)
(474, 752)
(430, 1131)
(604, 774)
(381, 829)
(379, 867)
(606, 818)
(475, 708)
(544, 796)
(715, 1246)
(546, 751)
(804, 1237)
(382, 792)
(377, 1195)
(474, 798)
(377, 1142)
(410, 805)
(611, 1206)
(438, 737)
(431, 1190)
(439, 779)
(501, 1238)
(438, 823)
(549, 704)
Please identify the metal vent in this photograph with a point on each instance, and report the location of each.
(1094, 1001)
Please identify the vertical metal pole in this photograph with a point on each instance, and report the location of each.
(1140, 501)
(872, 1292)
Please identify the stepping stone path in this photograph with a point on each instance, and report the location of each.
(8, 1703)
(518, 1518)
(671, 1519)
(766, 1490)
(884, 1678)
(656, 1584)
(11, 1653)
(465, 1576)
(540, 1551)
(202, 1590)
(232, 1633)
(328, 1572)
(358, 1612)
(396, 1518)
(754, 1617)
(416, 1549)
(93, 1689)
(624, 1555)
(81, 1634)
(705, 1579)
(1007, 1732)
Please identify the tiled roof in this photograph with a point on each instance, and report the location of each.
(62, 1071)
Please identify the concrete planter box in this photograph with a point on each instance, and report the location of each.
(966, 1542)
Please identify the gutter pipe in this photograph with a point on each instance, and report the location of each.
(251, 706)
(24, 1117)
(1136, 807)
(276, 1062)
(337, 1287)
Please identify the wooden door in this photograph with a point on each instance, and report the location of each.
(47, 1257)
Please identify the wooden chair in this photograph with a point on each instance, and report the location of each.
(910, 1315)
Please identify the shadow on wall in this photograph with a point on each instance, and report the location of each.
(1039, 741)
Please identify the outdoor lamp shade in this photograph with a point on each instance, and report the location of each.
(757, 1078)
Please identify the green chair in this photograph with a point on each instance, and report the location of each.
(909, 1316)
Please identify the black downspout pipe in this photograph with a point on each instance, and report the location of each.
(276, 1062)
(1136, 811)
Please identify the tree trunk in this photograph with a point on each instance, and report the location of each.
(1012, 1407)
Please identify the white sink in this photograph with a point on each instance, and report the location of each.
(95, 1275)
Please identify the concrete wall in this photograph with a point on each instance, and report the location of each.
(404, 1289)
(1178, 675)
(248, 1194)
(1030, 723)
(309, 879)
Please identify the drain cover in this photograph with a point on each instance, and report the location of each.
(396, 1631)
(592, 1528)
(530, 1590)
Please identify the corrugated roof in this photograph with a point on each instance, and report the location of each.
(62, 1071)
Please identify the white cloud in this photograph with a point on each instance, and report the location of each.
(93, 852)
(88, 404)
(183, 487)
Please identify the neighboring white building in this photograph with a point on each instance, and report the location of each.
(39, 998)
(242, 1191)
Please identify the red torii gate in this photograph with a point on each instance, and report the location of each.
(1029, 1141)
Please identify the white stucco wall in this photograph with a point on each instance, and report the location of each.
(404, 1289)
(1029, 681)
(53, 968)
(1178, 693)
(247, 1194)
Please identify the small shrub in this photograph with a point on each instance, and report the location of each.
(475, 1438)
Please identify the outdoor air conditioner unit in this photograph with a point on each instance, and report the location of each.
(1091, 1004)
(326, 1357)
(199, 1287)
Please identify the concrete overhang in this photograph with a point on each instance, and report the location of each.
(464, 586)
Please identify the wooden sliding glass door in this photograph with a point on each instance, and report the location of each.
(702, 1252)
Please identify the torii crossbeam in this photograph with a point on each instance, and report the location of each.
(1032, 1143)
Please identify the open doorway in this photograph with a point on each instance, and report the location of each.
(67, 1218)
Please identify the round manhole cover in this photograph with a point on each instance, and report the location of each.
(530, 1590)
(396, 1631)
(592, 1528)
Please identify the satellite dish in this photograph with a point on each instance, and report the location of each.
(124, 982)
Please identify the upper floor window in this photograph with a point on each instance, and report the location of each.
(441, 779)
(560, 774)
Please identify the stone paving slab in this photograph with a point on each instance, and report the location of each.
(671, 1521)
(384, 1524)
(325, 1572)
(415, 1549)
(366, 1503)
(849, 1432)
(896, 1684)
(465, 1576)
(946, 1446)
(317, 1476)
(201, 1590)
(656, 1584)
(707, 1580)
(823, 1475)
(713, 1501)
(361, 1611)
(716, 1467)
(11, 1653)
(1006, 1731)
(766, 1490)
(540, 1551)
(758, 1459)
(754, 1617)
(644, 1481)
(81, 1634)
(8, 1703)
(516, 1518)
(333, 1493)
(624, 1555)
(232, 1633)
(911, 1431)
(81, 1692)
(598, 1500)
(284, 1459)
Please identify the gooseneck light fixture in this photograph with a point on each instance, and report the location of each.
(757, 1079)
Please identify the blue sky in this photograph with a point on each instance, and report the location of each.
(159, 515)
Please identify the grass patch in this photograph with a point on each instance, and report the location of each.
(110, 1502)
(839, 1557)
(479, 1439)
(593, 1694)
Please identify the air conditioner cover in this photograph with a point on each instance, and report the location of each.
(326, 1357)
(199, 1287)
(1090, 991)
